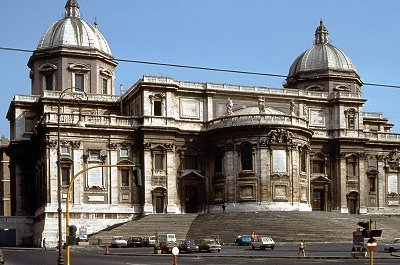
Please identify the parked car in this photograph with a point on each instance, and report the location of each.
(149, 241)
(135, 241)
(393, 246)
(118, 242)
(188, 246)
(243, 240)
(2, 259)
(263, 243)
(209, 244)
(167, 246)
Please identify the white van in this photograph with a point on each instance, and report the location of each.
(166, 238)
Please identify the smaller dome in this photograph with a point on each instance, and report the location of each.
(71, 31)
(322, 56)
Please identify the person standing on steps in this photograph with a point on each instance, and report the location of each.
(223, 207)
(301, 249)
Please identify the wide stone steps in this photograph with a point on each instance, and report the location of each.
(282, 226)
(148, 225)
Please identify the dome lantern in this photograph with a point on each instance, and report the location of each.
(72, 9)
(321, 34)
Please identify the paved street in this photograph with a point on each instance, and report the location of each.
(282, 255)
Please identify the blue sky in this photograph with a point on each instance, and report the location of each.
(258, 35)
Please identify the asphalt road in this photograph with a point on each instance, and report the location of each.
(283, 254)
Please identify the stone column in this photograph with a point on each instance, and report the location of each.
(230, 173)
(147, 175)
(172, 185)
(343, 185)
(264, 169)
(363, 184)
(381, 183)
(79, 183)
(113, 175)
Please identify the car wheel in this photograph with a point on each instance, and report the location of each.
(253, 247)
(272, 248)
(219, 250)
(391, 250)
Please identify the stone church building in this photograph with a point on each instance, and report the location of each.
(171, 146)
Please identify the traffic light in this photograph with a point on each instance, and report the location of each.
(71, 238)
(138, 176)
(368, 232)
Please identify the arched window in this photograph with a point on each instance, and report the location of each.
(246, 156)
(350, 118)
(48, 73)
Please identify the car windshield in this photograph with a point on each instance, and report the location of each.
(210, 241)
(246, 237)
(118, 238)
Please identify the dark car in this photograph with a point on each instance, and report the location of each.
(167, 246)
(135, 241)
(243, 240)
(188, 246)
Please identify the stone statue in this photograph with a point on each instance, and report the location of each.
(292, 108)
(305, 110)
(229, 106)
(261, 104)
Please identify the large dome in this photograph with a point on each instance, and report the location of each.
(71, 31)
(322, 56)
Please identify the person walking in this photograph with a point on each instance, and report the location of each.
(223, 207)
(301, 249)
(44, 244)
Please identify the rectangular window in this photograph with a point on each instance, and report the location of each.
(105, 86)
(65, 176)
(159, 162)
(157, 108)
(124, 152)
(29, 124)
(64, 150)
(372, 184)
(79, 82)
(351, 168)
(125, 177)
(318, 166)
(49, 82)
(191, 162)
(94, 156)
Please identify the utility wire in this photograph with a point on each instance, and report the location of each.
(201, 68)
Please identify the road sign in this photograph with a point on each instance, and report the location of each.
(175, 251)
(372, 244)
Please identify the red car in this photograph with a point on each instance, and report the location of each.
(166, 247)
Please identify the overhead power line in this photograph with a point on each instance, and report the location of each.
(201, 68)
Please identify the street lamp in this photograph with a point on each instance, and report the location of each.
(60, 260)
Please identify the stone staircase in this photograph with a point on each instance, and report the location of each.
(281, 226)
(148, 225)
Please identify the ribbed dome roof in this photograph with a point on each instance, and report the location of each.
(71, 31)
(322, 56)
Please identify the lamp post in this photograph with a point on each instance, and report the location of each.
(60, 260)
(70, 186)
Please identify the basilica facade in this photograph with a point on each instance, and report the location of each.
(170, 146)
